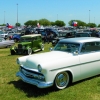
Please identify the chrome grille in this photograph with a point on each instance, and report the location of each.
(20, 46)
(32, 74)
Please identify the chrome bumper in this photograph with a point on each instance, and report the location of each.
(37, 83)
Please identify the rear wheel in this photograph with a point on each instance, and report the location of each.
(62, 80)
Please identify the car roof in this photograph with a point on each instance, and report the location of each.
(83, 32)
(80, 39)
(31, 35)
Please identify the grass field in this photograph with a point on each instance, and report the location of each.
(12, 88)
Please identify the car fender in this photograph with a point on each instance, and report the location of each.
(28, 47)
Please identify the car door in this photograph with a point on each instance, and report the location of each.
(90, 60)
(3, 43)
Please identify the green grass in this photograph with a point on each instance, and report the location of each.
(12, 88)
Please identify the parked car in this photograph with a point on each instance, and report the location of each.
(83, 34)
(3, 35)
(62, 35)
(6, 43)
(9, 32)
(28, 31)
(71, 60)
(51, 31)
(43, 35)
(48, 34)
(28, 44)
(10, 35)
(93, 32)
(16, 37)
(98, 34)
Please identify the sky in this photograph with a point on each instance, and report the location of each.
(21, 11)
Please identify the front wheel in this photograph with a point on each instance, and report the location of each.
(29, 51)
(42, 47)
(62, 80)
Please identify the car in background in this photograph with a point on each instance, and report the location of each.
(51, 31)
(71, 60)
(9, 32)
(28, 31)
(62, 35)
(16, 37)
(28, 44)
(6, 43)
(43, 35)
(83, 34)
(38, 30)
(47, 34)
(3, 35)
(98, 34)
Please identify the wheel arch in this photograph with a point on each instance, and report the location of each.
(68, 71)
(70, 75)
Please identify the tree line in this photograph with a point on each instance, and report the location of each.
(59, 23)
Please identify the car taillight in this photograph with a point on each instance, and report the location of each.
(11, 37)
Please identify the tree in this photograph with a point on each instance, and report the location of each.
(59, 23)
(52, 23)
(3, 25)
(34, 22)
(91, 25)
(79, 23)
(44, 22)
(17, 24)
(99, 25)
(28, 23)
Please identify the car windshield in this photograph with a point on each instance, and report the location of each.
(67, 47)
(82, 35)
(62, 34)
(25, 40)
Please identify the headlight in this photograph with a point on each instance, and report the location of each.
(39, 68)
(17, 61)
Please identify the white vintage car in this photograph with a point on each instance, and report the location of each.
(6, 43)
(71, 60)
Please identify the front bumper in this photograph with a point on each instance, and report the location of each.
(37, 83)
(19, 51)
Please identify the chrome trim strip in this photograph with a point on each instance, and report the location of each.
(75, 65)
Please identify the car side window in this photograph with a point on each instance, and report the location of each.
(90, 46)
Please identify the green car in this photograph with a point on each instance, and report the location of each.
(28, 44)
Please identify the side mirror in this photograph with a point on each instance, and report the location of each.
(76, 52)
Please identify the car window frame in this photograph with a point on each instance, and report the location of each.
(88, 48)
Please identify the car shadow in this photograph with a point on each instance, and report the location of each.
(85, 80)
(31, 90)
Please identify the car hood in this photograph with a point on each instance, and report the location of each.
(45, 59)
(24, 43)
